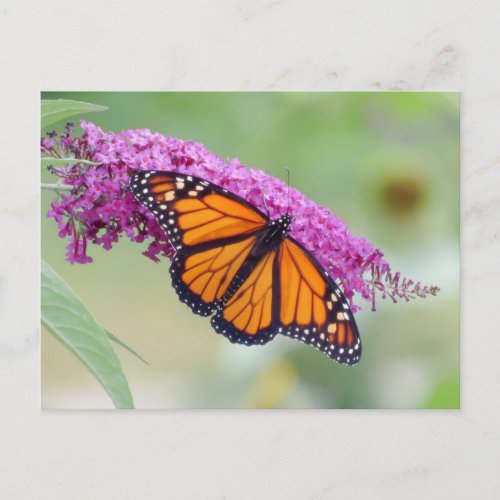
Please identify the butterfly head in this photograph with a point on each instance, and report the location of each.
(279, 227)
(285, 220)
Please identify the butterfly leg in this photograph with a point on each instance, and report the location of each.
(265, 202)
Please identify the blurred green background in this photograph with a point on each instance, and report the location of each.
(387, 163)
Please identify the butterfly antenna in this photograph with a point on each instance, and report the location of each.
(288, 184)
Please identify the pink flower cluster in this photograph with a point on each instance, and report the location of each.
(95, 206)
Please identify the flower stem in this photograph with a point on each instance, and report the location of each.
(57, 187)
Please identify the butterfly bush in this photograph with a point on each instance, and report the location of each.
(95, 205)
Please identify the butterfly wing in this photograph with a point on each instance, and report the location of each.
(203, 278)
(288, 292)
(212, 231)
(247, 316)
(195, 212)
(312, 307)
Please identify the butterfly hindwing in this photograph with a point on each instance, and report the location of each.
(247, 316)
(312, 307)
(202, 278)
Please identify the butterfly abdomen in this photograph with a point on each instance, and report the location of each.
(242, 276)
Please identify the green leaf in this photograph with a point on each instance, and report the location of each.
(65, 316)
(58, 109)
(50, 160)
(125, 346)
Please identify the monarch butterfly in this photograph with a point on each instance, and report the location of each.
(234, 260)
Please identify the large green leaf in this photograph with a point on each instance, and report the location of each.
(65, 316)
(58, 109)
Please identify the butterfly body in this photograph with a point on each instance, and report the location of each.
(273, 233)
(233, 262)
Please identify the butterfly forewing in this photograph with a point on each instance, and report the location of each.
(312, 307)
(194, 212)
